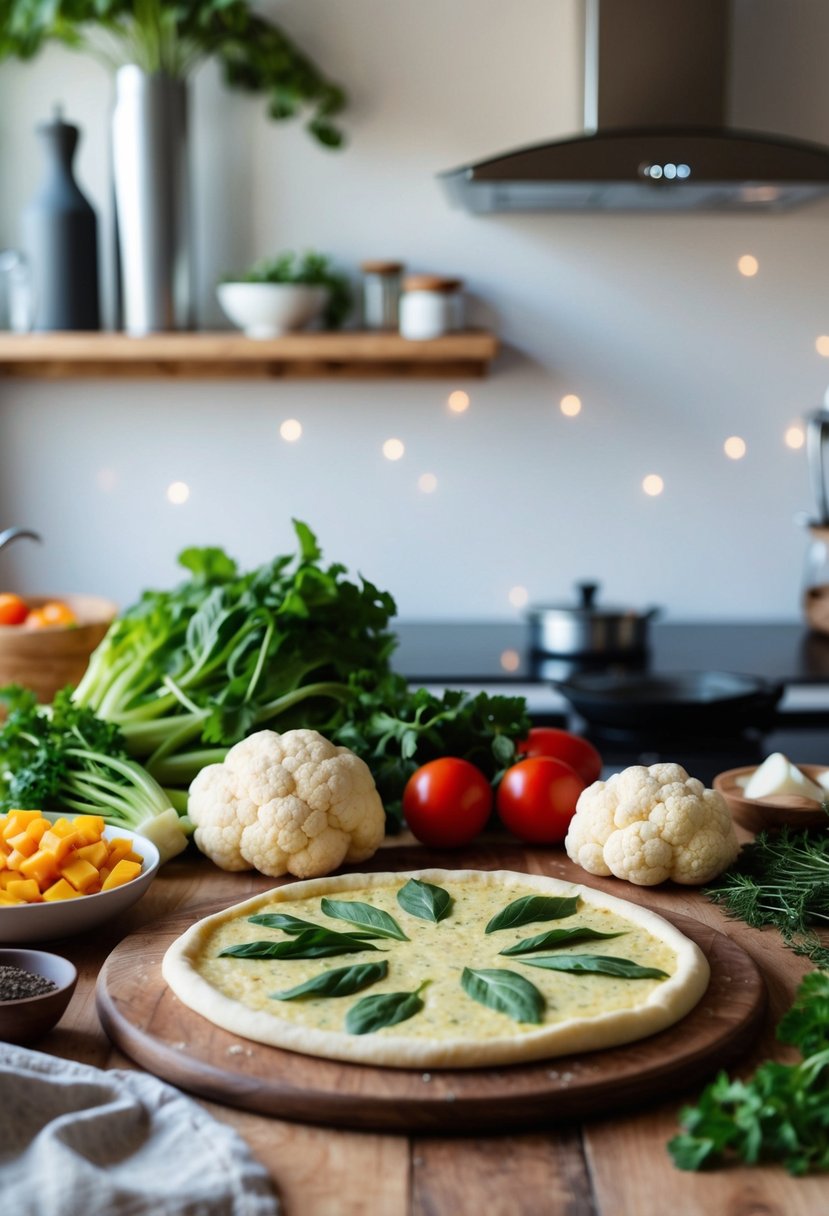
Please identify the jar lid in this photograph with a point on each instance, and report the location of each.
(430, 282)
(381, 267)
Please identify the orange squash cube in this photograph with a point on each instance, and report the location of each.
(25, 889)
(90, 827)
(42, 867)
(118, 848)
(82, 875)
(95, 854)
(23, 843)
(59, 845)
(18, 821)
(123, 872)
(60, 890)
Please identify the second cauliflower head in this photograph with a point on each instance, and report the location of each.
(647, 825)
(290, 803)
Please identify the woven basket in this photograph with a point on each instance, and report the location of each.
(47, 659)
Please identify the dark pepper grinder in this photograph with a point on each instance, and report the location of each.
(60, 236)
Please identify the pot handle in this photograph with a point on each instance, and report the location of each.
(587, 594)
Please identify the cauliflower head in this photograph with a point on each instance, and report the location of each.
(647, 825)
(287, 804)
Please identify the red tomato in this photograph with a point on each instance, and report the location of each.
(537, 799)
(13, 610)
(572, 749)
(447, 802)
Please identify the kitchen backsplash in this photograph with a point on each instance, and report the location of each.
(517, 490)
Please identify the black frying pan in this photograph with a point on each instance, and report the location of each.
(699, 701)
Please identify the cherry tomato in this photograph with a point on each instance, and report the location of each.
(447, 802)
(572, 749)
(48, 615)
(537, 799)
(13, 610)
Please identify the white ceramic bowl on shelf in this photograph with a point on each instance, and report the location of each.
(68, 917)
(266, 310)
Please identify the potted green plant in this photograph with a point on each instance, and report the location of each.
(283, 293)
(154, 48)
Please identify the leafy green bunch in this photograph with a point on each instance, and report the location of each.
(782, 881)
(186, 673)
(313, 269)
(255, 55)
(781, 1113)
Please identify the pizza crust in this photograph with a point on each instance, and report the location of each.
(664, 1005)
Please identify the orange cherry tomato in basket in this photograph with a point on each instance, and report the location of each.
(50, 615)
(13, 609)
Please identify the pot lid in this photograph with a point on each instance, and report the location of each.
(586, 607)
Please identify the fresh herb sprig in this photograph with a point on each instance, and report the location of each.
(780, 1114)
(782, 880)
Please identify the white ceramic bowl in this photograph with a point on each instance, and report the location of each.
(68, 917)
(266, 310)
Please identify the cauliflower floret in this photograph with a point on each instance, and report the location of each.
(287, 804)
(650, 824)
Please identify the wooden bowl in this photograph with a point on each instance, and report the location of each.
(771, 814)
(30, 1018)
(47, 659)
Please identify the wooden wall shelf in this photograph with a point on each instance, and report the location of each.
(213, 356)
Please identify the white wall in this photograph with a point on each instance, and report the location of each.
(644, 317)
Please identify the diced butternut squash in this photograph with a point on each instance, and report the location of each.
(60, 890)
(96, 853)
(60, 846)
(43, 867)
(25, 889)
(90, 826)
(123, 872)
(23, 843)
(82, 875)
(47, 861)
(119, 847)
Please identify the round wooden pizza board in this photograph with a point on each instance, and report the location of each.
(143, 1017)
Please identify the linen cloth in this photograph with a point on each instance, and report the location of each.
(80, 1141)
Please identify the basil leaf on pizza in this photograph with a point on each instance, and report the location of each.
(311, 943)
(363, 916)
(375, 1012)
(597, 964)
(556, 938)
(424, 900)
(531, 908)
(505, 991)
(342, 981)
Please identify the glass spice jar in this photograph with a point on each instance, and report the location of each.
(381, 294)
(430, 306)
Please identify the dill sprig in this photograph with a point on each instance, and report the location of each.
(782, 880)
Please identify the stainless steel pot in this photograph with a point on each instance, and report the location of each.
(585, 629)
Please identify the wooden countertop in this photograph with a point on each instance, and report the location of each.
(612, 1167)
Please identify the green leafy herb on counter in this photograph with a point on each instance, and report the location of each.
(783, 881)
(780, 1114)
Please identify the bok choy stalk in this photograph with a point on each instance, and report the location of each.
(63, 758)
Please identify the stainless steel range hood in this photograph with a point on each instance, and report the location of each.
(656, 83)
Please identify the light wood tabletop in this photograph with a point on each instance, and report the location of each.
(608, 1166)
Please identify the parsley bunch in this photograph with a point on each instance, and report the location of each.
(780, 1114)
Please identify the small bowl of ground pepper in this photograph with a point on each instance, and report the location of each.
(35, 989)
